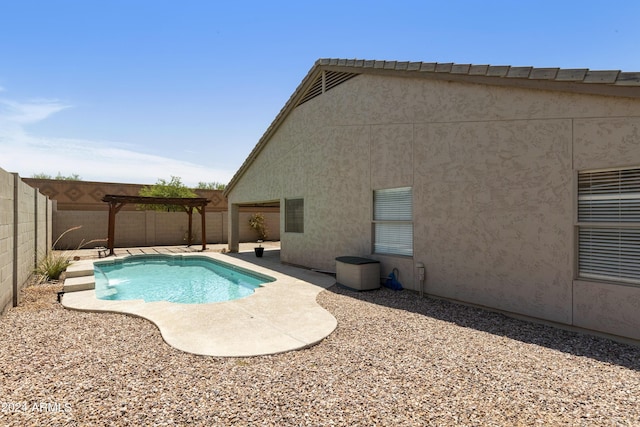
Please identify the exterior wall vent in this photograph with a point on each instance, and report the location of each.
(326, 80)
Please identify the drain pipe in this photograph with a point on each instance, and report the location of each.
(421, 277)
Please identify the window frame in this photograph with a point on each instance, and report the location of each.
(608, 225)
(394, 218)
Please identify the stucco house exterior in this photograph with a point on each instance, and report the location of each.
(517, 188)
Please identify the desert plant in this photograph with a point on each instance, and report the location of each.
(54, 263)
(256, 222)
(51, 266)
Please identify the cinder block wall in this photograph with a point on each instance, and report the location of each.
(151, 228)
(27, 225)
(6, 239)
(25, 235)
(43, 225)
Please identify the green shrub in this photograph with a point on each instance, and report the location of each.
(52, 266)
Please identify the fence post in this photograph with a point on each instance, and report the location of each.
(36, 218)
(14, 292)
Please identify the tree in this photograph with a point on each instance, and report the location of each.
(72, 177)
(214, 185)
(41, 175)
(162, 188)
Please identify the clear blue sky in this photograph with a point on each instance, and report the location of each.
(137, 90)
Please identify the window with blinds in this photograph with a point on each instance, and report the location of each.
(393, 221)
(294, 215)
(609, 225)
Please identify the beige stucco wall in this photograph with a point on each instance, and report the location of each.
(496, 221)
(492, 170)
(607, 142)
(607, 307)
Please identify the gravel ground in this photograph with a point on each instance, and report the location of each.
(394, 360)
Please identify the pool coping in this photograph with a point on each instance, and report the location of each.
(280, 316)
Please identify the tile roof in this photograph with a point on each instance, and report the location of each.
(584, 75)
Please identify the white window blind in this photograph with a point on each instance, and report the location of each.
(609, 225)
(610, 253)
(392, 217)
(609, 196)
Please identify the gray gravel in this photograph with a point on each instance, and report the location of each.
(394, 360)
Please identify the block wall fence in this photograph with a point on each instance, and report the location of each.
(151, 228)
(25, 235)
(79, 203)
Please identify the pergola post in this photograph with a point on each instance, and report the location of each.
(189, 236)
(114, 207)
(201, 211)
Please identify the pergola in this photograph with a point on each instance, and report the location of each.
(188, 203)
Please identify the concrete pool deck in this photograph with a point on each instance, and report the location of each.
(280, 316)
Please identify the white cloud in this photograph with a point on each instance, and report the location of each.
(104, 161)
(28, 112)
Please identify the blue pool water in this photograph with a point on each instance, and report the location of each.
(187, 280)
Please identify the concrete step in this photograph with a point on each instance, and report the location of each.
(82, 283)
(80, 268)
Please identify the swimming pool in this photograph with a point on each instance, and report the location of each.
(174, 278)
